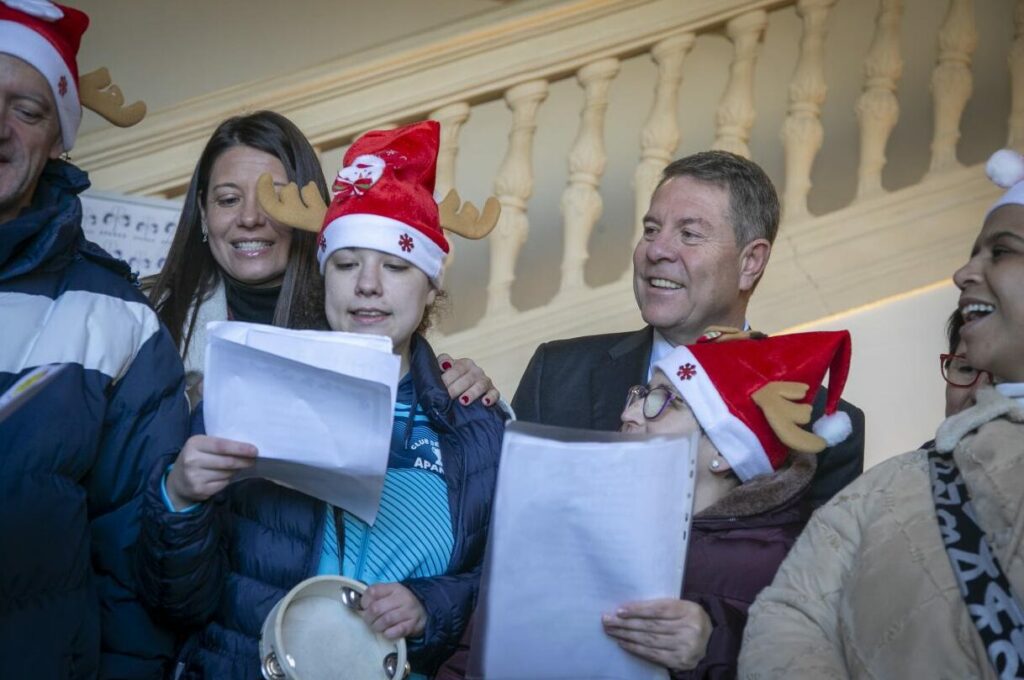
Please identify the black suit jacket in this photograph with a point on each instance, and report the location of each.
(583, 382)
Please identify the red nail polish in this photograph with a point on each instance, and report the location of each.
(487, 401)
(446, 365)
(464, 400)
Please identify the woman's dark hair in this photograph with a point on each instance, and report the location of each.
(190, 273)
(953, 326)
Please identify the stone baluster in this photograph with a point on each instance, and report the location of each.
(451, 118)
(581, 201)
(951, 82)
(735, 114)
(802, 133)
(660, 136)
(1016, 59)
(878, 109)
(513, 187)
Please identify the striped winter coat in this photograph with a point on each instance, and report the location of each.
(73, 459)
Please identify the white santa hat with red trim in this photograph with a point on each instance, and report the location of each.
(746, 394)
(384, 199)
(1006, 168)
(46, 36)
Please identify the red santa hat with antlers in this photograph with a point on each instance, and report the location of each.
(384, 199)
(751, 396)
(46, 36)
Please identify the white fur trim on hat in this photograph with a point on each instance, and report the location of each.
(733, 439)
(364, 230)
(1006, 168)
(24, 43)
(41, 9)
(833, 428)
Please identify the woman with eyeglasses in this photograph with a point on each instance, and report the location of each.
(916, 569)
(962, 379)
(749, 396)
(749, 399)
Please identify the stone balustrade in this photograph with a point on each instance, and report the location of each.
(822, 264)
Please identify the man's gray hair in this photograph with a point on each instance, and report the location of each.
(753, 201)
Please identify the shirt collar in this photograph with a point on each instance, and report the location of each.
(662, 348)
(659, 350)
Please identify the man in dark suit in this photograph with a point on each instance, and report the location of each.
(707, 238)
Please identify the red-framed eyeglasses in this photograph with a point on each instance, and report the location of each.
(957, 372)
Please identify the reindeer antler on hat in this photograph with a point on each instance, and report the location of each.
(47, 36)
(384, 200)
(753, 394)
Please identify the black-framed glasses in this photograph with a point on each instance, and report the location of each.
(957, 372)
(656, 399)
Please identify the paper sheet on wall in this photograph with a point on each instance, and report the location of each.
(135, 229)
(318, 405)
(583, 522)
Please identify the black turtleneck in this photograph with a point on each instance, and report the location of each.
(251, 303)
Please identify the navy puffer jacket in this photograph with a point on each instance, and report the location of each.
(220, 569)
(74, 459)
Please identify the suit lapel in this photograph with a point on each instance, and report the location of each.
(624, 365)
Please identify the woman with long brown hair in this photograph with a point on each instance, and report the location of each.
(228, 259)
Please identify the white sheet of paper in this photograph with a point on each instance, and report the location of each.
(583, 522)
(318, 405)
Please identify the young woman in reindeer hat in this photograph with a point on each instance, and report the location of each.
(231, 260)
(216, 558)
(916, 569)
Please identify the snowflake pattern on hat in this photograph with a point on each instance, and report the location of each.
(385, 199)
(687, 371)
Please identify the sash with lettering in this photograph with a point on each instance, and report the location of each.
(995, 611)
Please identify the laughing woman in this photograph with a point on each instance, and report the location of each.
(215, 558)
(915, 570)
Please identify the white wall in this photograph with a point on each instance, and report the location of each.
(894, 372)
(166, 52)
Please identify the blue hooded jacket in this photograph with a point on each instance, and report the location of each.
(73, 458)
(219, 570)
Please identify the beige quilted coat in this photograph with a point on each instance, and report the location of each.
(868, 590)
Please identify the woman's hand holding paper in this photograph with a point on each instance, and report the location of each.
(205, 466)
(669, 632)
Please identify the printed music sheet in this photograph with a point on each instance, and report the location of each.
(318, 405)
(583, 522)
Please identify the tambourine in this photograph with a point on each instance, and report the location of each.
(315, 632)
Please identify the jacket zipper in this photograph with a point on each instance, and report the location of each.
(455, 489)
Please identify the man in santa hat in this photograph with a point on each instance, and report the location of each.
(707, 238)
(91, 387)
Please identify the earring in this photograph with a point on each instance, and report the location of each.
(205, 229)
(715, 464)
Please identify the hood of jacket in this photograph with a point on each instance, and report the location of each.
(47, 235)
